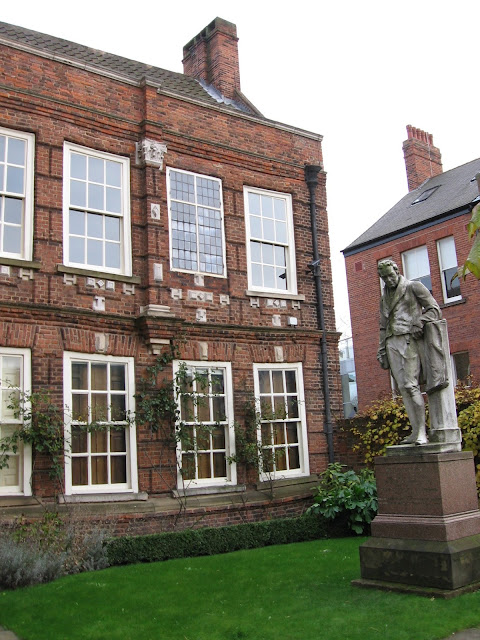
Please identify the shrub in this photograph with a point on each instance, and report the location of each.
(385, 423)
(211, 541)
(344, 494)
(23, 564)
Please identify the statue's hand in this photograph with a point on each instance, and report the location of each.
(417, 329)
(383, 360)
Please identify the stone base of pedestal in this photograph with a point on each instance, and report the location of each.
(424, 563)
(427, 531)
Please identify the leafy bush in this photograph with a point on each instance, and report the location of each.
(211, 541)
(385, 423)
(24, 564)
(344, 494)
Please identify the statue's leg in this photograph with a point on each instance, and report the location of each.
(405, 365)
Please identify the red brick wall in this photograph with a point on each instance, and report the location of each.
(62, 103)
(364, 297)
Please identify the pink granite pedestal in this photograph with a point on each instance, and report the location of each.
(427, 531)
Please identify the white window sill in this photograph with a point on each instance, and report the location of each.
(103, 497)
(208, 490)
(282, 295)
(93, 273)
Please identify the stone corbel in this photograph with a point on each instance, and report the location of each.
(150, 153)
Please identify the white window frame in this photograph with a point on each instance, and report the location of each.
(443, 268)
(26, 252)
(416, 250)
(169, 171)
(304, 469)
(291, 271)
(131, 486)
(124, 216)
(231, 468)
(25, 450)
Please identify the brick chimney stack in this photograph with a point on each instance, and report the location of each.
(422, 159)
(212, 56)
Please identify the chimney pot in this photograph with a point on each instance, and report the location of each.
(422, 159)
(212, 56)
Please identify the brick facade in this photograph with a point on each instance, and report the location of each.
(51, 308)
(364, 285)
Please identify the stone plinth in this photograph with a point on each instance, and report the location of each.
(427, 531)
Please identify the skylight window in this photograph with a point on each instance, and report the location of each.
(424, 195)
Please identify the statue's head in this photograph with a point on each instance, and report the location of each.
(389, 273)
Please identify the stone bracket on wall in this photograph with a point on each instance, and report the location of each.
(150, 153)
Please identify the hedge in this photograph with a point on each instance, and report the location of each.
(212, 541)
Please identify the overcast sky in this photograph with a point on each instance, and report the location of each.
(356, 72)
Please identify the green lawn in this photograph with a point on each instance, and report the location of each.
(292, 592)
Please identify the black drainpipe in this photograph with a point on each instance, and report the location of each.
(311, 178)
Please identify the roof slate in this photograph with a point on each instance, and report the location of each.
(457, 189)
(176, 83)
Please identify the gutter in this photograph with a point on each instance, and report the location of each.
(311, 178)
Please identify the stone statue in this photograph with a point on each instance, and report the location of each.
(414, 346)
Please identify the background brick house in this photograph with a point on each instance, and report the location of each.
(425, 234)
(142, 208)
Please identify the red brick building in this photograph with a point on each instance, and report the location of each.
(425, 234)
(142, 208)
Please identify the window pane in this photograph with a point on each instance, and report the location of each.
(256, 227)
(79, 440)
(119, 469)
(15, 176)
(77, 250)
(291, 381)
(113, 173)
(99, 376)
(78, 193)
(279, 209)
(77, 222)
(293, 458)
(96, 169)
(117, 440)
(267, 206)
(281, 232)
(11, 367)
(13, 210)
(219, 465)
(98, 441)
(16, 151)
(448, 255)
(278, 434)
(219, 409)
(114, 200)
(268, 230)
(292, 433)
(79, 471)
(277, 377)
(99, 407)
(204, 465)
(94, 253)
(280, 459)
(95, 196)
(452, 287)
(269, 277)
(187, 408)
(254, 203)
(3, 147)
(218, 438)
(118, 408)
(188, 466)
(217, 382)
(80, 407)
(12, 239)
(203, 410)
(78, 166)
(264, 381)
(94, 225)
(112, 228)
(99, 470)
(257, 272)
(112, 255)
(117, 377)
